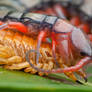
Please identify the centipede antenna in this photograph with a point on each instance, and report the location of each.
(32, 65)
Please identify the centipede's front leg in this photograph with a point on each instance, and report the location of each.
(54, 49)
(82, 74)
(41, 36)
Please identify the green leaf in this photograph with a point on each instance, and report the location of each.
(18, 81)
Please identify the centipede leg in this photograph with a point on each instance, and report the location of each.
(70, 74)
(77, 67)
(73, 77)
(17, 66)
(53, 49)
(82, 74)
(40, 38)
(11, 60)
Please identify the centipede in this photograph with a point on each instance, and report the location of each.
(46, 40)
